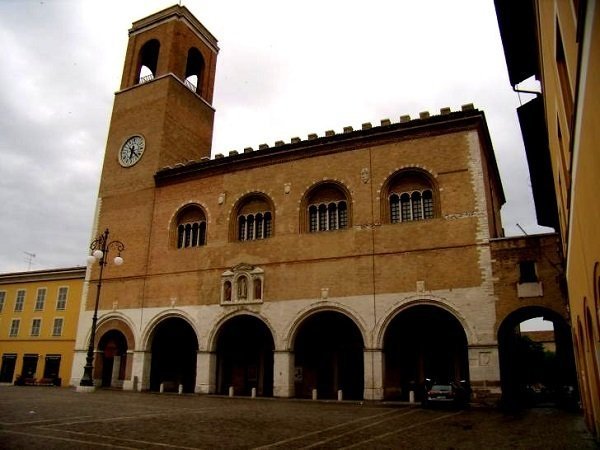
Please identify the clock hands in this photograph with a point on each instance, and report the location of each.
(131, 151)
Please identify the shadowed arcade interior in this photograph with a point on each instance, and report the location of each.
(174, 354)
(423, 342)
(528, 373)
(245, 357)
(329, 357)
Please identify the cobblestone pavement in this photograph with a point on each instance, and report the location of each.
(55, 418)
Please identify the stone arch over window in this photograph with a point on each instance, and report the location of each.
(243, 283)
(408, 195)
(194, 70)
(148, 61)
(253, 218)
(190, 227)
(326, 207)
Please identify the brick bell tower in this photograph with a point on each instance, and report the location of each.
(162, 115)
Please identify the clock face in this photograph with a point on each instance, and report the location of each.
(132, 151)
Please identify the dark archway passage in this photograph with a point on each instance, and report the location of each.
(174, 353)
(329, 356)
(423, 342)
(245, 357)
(519, 368)
(113, 350)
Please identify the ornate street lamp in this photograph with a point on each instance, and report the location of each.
(99, 248)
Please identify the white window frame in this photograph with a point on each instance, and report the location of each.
(39, 328)
(40, 299)
(15, 324)
(58, 320)
(64, 289)
(20, 300)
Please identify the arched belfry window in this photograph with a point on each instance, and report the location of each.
(254, 218)
(148, 61)
(326, 208)
(191, 227)
(410, 195)
(194, 70)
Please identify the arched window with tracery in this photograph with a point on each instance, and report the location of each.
(254, 218)
(410, 196)
(148, 61)
(191, 227)
(327, 208)
(194, 70)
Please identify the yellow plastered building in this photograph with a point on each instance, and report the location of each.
(39, 311)
(557, 43)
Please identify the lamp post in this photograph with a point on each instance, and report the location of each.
(99, 248)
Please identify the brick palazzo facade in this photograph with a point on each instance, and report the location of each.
(358, 261)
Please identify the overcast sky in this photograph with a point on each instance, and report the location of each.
(284, 69)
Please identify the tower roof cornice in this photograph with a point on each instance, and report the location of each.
(175, 12)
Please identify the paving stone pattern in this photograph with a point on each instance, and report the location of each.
(60, 418)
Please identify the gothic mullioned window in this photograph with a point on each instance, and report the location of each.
(410, 196)
(191, 227)
(254, 218)
(327, 208)
(417, 205)
(328, 216)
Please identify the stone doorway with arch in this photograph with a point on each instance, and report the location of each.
(113, 358)
(112, 349)
(174, 347)
(423, 342)
(522, 370)
(329, 357)
(245, 348)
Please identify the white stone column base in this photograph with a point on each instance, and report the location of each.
(206, 371)
(373, 374)
(283, 374)
(85, 389)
